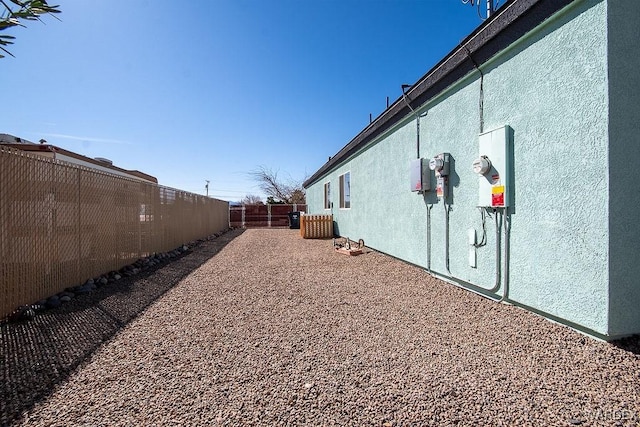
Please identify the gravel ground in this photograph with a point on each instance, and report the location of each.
(276, 330)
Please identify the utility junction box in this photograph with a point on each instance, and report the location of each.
(420, 175)
(494, 169)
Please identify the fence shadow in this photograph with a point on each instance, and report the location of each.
(37, 355)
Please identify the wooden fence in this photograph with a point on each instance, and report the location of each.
(262, 215)
(316, 226)
(61, 224)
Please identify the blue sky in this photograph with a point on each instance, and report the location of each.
(213, 89)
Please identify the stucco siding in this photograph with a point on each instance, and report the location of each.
(551, 89)
(623, 165)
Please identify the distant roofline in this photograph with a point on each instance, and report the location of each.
(12, 139)
(509, 23)
(54, 149)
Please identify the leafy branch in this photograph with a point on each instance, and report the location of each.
(14, 12)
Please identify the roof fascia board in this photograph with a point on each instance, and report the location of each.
(48, 148)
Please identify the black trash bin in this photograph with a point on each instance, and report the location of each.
(294, 220)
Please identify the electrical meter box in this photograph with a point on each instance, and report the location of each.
(440, 167)
(420, 175)
(494, 169)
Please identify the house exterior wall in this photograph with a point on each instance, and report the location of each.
(551, 88)
(624, 156)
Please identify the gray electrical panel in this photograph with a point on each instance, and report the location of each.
(420, 175)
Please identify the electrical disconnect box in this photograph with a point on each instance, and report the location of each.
(440, 165)
(420, 175)
(493, 167)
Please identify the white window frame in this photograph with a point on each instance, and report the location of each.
(345, 190)
(327, 195)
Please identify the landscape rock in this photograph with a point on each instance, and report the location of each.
(279, 330)
(92, 284)
(53, 302)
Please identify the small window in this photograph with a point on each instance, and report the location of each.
(345, 191)
(327, 195)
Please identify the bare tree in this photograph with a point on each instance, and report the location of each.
(289, 191)
(251, 199)
(299, 196)
(23, 10)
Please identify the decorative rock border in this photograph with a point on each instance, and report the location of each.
(29, 311)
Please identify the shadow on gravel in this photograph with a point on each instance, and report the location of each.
(630, 344)
(37, 355)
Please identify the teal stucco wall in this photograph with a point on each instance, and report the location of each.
(552, 88)
(623, 163)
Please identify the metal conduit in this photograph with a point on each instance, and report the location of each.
(463, 283)
(429, 238)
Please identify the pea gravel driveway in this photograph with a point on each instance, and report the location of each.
(277, 330)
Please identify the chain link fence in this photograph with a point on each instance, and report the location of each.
(61, 224)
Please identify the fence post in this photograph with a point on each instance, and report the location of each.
(79, 209)
(243, 217)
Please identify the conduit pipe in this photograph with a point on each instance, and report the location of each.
(507, 231)
(406, 101)
(429, 206)
(481, 99)
(463, 283)
(446, 238)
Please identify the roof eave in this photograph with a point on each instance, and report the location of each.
(513, 20)
(55, 149)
